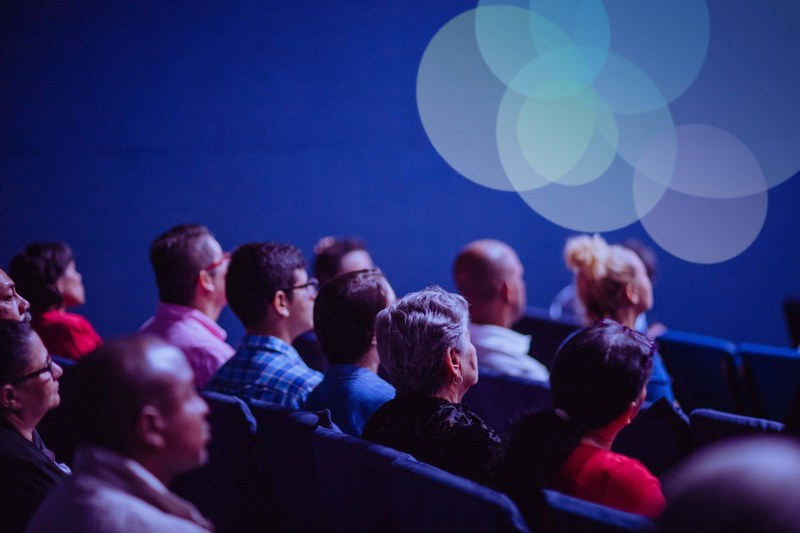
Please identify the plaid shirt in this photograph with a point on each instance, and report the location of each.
(268, 369)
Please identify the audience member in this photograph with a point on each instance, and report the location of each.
(344, 319)
(332, 257)
(612, 283)
(598, 383)
(28, 390)
(746, 485)
(12, 305)
(45, 272)
(423, 341)
(568, 307)
(337, 256)
(488, 274)
(140, 423)
(190, 271)
(269, 290)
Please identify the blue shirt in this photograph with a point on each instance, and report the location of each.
(352, 393)
(268, 369)
(660, 384)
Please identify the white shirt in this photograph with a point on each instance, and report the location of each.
(505, 351)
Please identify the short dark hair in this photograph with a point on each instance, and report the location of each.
(328, 258)
(36, 269)
(15, 342)
(256, 272)
(111, 386)
(596, 374)
(414, 335)
(608, 359)
(178, 255)
(344, 314)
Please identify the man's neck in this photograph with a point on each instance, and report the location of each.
(270, 330)
(371, 360)
(492, 313)
(210, 309)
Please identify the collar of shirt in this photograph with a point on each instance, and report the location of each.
(268, 343)
(499, 338)
(174, 312)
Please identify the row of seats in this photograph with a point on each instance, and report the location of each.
(275, 469)
(660, 436)
(753, 379)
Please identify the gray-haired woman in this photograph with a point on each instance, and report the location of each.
(423, 342)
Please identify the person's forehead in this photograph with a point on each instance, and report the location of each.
(356, 260)
(300, 275)
(38, 350)
(214, 244)
(5, 281)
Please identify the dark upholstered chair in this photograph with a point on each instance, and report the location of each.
(499, 399)
(232, 489)
(704, 371)
(709, 426)
(772, 375)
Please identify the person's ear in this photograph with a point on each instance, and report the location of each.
(632, 293)
(205, 280)
(505, 291)
(373, 341)
(60, 284)
(8, 396)
(636, 406)
(150, 426)
(453, 361)
(280, 302)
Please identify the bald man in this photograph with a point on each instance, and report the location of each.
(140, 423)
(488, 274)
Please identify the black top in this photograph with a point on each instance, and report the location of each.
(27, 473)
(444, 434)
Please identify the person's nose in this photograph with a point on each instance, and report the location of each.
(57, 371)
(24, 305)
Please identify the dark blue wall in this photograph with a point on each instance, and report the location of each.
(285, 121)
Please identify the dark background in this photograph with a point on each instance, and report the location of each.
(289, 121)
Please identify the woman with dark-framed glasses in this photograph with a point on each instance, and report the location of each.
(598, 382)
(28, 390)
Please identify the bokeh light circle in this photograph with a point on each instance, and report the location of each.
(457, 100)
(715, 203)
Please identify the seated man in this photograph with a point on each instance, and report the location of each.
(332, 256)
(140, 423)
(488, 274)
(190, 271)
(344, 319)
(12, 305)
(269, 291)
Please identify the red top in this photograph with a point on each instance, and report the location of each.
(610, 479)
(66, 334)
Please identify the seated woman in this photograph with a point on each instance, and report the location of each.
(612, 282)
(598, 384)
(423, 342)
(28, 389)
(45, 273)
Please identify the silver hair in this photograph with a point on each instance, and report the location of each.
(414, 335)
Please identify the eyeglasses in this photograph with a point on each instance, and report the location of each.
(312, 285)
(226, 256)
(48, 367)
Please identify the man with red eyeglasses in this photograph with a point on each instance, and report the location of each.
(190, 269)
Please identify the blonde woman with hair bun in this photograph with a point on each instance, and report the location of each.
(612, 282)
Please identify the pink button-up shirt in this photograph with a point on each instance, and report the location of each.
(200, 338)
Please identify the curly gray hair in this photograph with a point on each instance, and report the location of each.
(414, 335)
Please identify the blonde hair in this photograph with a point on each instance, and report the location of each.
(602, 272)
